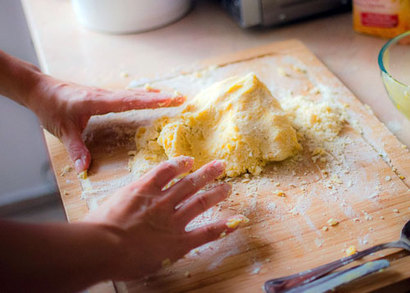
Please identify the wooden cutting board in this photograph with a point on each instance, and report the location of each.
(369, 197)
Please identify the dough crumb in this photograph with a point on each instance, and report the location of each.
(67, 169)
(350, 250)
(83, 175)
(166, 263)
(332, 222)
(234, 222)
(280, 193)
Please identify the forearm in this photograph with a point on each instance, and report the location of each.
(54, 257)
(17, 78)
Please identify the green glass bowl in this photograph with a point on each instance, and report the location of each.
(394, 63)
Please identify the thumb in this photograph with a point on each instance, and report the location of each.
(77, 150)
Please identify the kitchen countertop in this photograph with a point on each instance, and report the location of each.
(70, 52)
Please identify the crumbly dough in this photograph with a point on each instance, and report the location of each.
(236, 120)
(321, 121)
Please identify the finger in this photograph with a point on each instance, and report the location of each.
(194, 182)
(161, 175)
(208, 233)
(202, 202)
(77, 150)
(120, 101)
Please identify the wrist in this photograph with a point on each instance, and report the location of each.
(17, 78)
(39, 93)
(104, 242)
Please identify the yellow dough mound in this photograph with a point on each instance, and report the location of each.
(236, 120)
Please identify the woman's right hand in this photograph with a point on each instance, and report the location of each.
(147, 221)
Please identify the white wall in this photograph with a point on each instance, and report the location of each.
(24, 164)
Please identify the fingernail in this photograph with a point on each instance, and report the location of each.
(235, 221)
(78, 165)
(187, 161)
(219, 165)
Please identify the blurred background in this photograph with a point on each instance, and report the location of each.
(27, 185)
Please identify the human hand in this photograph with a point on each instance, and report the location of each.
(65, 108)
(149, 221)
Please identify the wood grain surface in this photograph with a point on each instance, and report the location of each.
(284, 235)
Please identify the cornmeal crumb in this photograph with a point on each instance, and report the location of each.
(298, 69)
(83, 175)
(148, 87)
(402, 177)
(234, 222)
(282, 72)
(280, 193)
(166, 263)
(350, 250)
(178, 94)
(332, 222)
(65, 170)
(222, 235)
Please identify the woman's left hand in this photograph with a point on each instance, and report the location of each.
(65, 108)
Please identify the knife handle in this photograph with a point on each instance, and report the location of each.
(285, 283)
